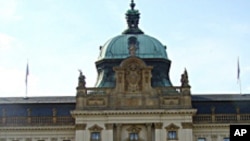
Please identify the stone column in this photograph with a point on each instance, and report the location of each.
(158, 129)
(80, 132)
(149, 131)
(118, 131)
(109, 131)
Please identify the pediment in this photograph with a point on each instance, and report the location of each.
(134, 129)
(172, 127)
(95, 128)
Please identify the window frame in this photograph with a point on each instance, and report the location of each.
(96, 134)
(172, 128)
(96, 129)
(201, 139)
(172, 135)
(135, 136)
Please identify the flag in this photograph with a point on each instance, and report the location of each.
(238, 70)
(27, 74)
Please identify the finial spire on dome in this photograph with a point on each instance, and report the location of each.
(132, 4)
(133, 17)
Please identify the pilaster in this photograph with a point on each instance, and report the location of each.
(158, 130)
(149, 131)
(109, 131)
(118, 132)
(80, 132)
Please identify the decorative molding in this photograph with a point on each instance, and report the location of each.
(187, 125)
(95, 128)
(109, 126)
(93, 101)
(134, 129)
(172, 127)
(138, 112)
(209, 125)
(158, 125)
(171, 101)
(80, 126)
(214, 136)
(38, 128)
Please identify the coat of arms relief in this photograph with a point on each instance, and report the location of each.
(133, 77)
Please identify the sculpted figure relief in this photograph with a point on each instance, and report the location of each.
(133, 77)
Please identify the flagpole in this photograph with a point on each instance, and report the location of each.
(238, 74)
(26, 79)
(240, 86)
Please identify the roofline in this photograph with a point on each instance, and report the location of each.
(72, 99)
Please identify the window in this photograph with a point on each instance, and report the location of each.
(95, 133)
(133, 137)
(226, 139)
(201, 139)
(172, 135)
(95, 136)
(172, 131)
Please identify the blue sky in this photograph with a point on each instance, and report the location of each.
(58, 37)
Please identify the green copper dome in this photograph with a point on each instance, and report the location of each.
(133, 42)
(147, 47)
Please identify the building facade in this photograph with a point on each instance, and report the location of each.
(133, 100)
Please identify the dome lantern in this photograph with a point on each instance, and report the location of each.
(132, 17)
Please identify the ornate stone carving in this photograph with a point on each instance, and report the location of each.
(187, 125)
(134, 129)
(80, 126)
(81, 80)
(95, 102)
(158, 125)
(95, 128)
(184, 79)
(133, 77)
(172, 127)
(109, 126)
(132, 49)
(214, 137)
(170, 101)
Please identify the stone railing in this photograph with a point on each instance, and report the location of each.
(106, 91)
(36, 121)
(168, 90)
(99, 91)
(221, 118)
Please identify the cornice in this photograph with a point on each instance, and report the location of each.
(37, 128)
(77, 113)
(210, 125)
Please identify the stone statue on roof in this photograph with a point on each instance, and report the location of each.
(81, 80)
(184, 79)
